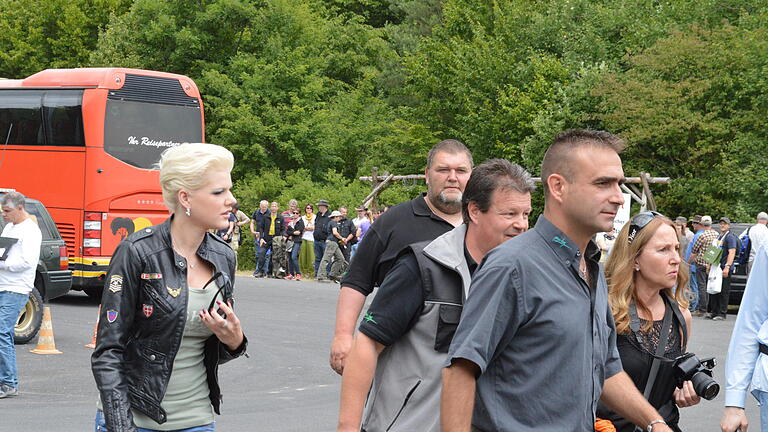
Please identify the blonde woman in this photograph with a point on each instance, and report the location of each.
(166, 316)
(646, 281)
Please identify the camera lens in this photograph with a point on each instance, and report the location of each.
(705, 386)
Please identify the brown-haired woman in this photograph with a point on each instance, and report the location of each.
(646, 282)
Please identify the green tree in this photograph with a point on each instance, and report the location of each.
(42, 34)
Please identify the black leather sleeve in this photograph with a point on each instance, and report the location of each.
(118, 305)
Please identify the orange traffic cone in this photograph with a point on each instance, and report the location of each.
(45, 343)
(95, 330)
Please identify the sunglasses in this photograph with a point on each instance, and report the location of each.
(296, 213)
(222, 281)
(639, 222)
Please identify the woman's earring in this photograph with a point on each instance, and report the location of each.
(636, 268)
(188, 212)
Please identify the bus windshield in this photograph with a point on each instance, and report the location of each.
(138, 132)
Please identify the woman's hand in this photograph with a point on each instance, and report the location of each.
(226, 329)
(686, 396)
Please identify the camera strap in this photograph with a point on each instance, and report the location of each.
(634, 324)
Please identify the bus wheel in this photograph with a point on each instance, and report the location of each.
(94, 292)
(30, 318)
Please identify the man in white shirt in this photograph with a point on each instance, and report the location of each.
(758, 237)
(17, 278)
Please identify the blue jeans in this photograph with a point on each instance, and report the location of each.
(762, 400)
(694, 286)
(11, 304)
(263, 260)
(319, 251)
(101, 426)
(293, 261)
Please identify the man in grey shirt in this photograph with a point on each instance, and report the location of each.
(536, 339)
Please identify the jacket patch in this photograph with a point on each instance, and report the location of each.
(111, 315)
(148, 309)
(151, 275)
(116, 283)
(174, 292)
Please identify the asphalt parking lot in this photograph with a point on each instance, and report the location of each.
(285, 385)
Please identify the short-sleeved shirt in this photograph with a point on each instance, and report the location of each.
(702, 243)
(398, 303)
(403, 224)
(728, 242)
(329, 230)
(543, 338)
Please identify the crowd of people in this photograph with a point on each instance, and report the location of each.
(297, 243)
(479, 323)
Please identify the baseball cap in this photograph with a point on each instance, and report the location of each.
(726, 220)
(762, 216)
(706, 220)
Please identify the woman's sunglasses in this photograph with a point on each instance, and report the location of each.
(639, 222)
(221, 281)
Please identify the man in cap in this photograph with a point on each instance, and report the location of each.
(333, 253)
(757, 235)
(718, 303)
(705, 240)
(426, 217)
(320, 234)
(681, 222)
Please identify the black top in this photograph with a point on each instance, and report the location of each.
(347, 227)
(403, 224)
(295, 226)
(398, 303)
(321, 220)
(637, 359)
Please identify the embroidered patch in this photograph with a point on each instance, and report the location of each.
(111, 315)
(151, 275)
(116, 283)
(173, 292)
(561, 242)
(148, 309)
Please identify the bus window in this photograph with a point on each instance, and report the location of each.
(63, 114)
(137, 132)
(20, 114)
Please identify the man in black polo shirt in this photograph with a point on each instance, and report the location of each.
(426, 217)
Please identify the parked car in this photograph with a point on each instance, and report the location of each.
(52, 277)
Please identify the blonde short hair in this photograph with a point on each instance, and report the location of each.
(185, 167)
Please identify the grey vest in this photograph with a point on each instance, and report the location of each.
(405, 395)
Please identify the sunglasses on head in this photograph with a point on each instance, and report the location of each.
(639, 222)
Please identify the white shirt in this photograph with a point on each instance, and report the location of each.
(758, 237)
(358, 221)
(308, 235)
(17, 272)
(745, 366)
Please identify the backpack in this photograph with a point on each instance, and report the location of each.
(743, 248)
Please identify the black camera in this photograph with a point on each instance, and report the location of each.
(688, 367)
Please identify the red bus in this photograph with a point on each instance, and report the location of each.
(85, 142)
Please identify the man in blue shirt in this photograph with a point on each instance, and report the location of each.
(719, 302)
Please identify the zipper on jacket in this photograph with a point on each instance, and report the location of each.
(405, 402)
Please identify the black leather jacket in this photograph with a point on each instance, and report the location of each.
(134, 352)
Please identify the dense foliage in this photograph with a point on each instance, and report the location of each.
(310, 94)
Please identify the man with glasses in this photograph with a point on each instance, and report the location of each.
(17, 278)
(536, 345)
